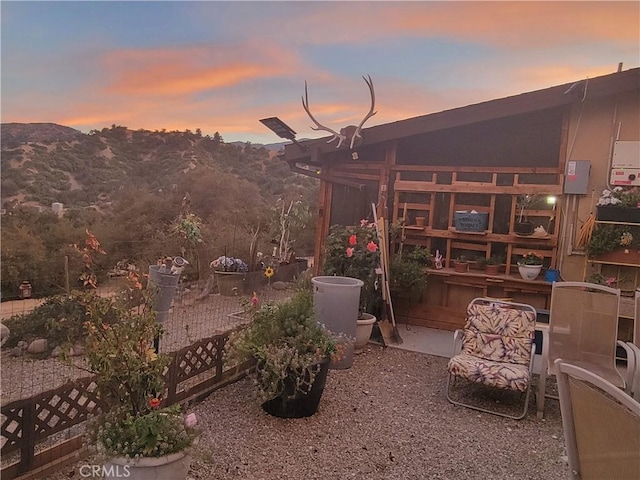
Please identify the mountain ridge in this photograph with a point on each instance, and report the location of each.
(44, 163)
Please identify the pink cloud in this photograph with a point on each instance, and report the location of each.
(188, 70)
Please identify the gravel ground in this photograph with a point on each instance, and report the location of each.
(385, 418)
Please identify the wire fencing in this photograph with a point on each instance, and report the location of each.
(197, 312)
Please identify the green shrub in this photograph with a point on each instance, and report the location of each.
(59, 319)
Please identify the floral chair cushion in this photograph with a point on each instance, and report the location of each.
(510, 376)
(496, 346)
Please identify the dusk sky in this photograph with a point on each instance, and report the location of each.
(221, 66)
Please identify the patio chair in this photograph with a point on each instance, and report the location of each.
(633, 361)
(583, 330)
(495, 349)
(601, 425)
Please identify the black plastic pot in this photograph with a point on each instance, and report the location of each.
(523, 228)
(302, 405)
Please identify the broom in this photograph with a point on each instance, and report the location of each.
(389, 332)
(586, 230)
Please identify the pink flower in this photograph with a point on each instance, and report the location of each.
(610, 281)
(191, 420)
(154, 402)
(371, 246)
(364, 222)
(349, 252)
(353, 240)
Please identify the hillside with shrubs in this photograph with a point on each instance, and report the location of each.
(132, 189)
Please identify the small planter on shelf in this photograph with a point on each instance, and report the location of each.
(620, 205)
(523, 228)
(461, 265)
(530, 265)
(491, 265)
(610, 213)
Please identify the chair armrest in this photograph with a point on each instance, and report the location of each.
(457, 341)
(631, 365)
(633, 371)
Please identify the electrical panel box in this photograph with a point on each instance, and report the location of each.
(576, 177)
(625, 163)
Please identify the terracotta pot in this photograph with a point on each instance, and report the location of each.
(461, 267)
(420, 221)
(492, 269)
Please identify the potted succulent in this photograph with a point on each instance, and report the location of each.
(136, 433)
(619, 205)
(461, 264)
(229, 273)
(530, 265)
(292, 352)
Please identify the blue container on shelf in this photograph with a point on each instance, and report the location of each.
(552, 275)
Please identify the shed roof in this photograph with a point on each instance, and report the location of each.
(556, 96)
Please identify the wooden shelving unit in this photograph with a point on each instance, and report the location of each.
(445, 192)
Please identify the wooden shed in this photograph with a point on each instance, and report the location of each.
(551, 144)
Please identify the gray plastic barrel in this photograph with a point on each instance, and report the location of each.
(163, 288)
(335, 302)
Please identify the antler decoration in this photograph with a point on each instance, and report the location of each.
(351, 130)
(305, 105)
(371, 113)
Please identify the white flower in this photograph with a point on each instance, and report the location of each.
(191, 420)
(608, 197)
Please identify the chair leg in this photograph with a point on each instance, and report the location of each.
(451, 379)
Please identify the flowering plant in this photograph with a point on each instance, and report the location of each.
(606, 238)
(130, 379)
(229, 264)
(619, 197)
(531, 258)
(353, 252)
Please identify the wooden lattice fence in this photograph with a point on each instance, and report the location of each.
(194, 372)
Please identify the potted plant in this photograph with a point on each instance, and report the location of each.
(136, 432)
(530, 265)
(461, 264)
(522, 225)
(619, 205)
(229, 273)
(491, 265)
(353, 252)
(292, 352)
